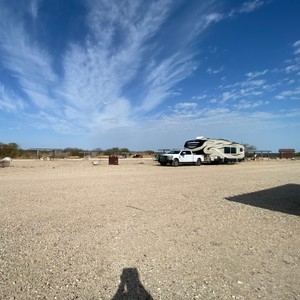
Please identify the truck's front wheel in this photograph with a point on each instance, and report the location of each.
(175, 163)
(198, 162)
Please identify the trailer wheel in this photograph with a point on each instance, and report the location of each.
(198, 162)
(175, 162)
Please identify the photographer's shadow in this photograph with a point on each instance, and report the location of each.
(130, 287)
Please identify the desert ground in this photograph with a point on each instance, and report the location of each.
(73, 230)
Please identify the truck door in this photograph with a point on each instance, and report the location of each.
(186, 157)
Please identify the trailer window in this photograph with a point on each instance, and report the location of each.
(229, 150)
(194, 144)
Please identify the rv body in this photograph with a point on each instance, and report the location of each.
(216, 150)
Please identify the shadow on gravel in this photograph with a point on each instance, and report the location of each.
(285, 198)
(130, 287)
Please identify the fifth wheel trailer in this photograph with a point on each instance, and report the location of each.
(216, 150)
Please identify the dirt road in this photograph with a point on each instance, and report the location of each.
(73, 230)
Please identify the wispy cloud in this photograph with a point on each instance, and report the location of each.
(294, 62)
(186, 109)
(9, 101)
(296, 46)
(247, 88)
(292, 68)
(246, 105)
(214, 71)
(118, 75)
(29, 64)
(247, 7)
(34, 8)
(289, 95)
(229, 96)
(97, 71)
(256, 74)
(250, 6)
(162, 78)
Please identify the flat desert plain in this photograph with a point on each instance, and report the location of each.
(74, 230)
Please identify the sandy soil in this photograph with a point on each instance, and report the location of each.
(72, 230)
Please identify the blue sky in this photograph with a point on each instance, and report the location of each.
(149, 74)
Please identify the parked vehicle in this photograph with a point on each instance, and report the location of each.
(180, 157)
(216, 150)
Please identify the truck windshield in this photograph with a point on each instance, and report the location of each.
(174, 152)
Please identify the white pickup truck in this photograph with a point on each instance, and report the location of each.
(180, 157)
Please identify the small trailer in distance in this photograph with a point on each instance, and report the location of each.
(216, 150)
(180, 157)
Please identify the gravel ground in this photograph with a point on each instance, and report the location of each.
(73, 230)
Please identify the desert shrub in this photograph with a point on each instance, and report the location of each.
(10, 150)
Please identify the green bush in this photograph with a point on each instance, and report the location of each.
(11, 150)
